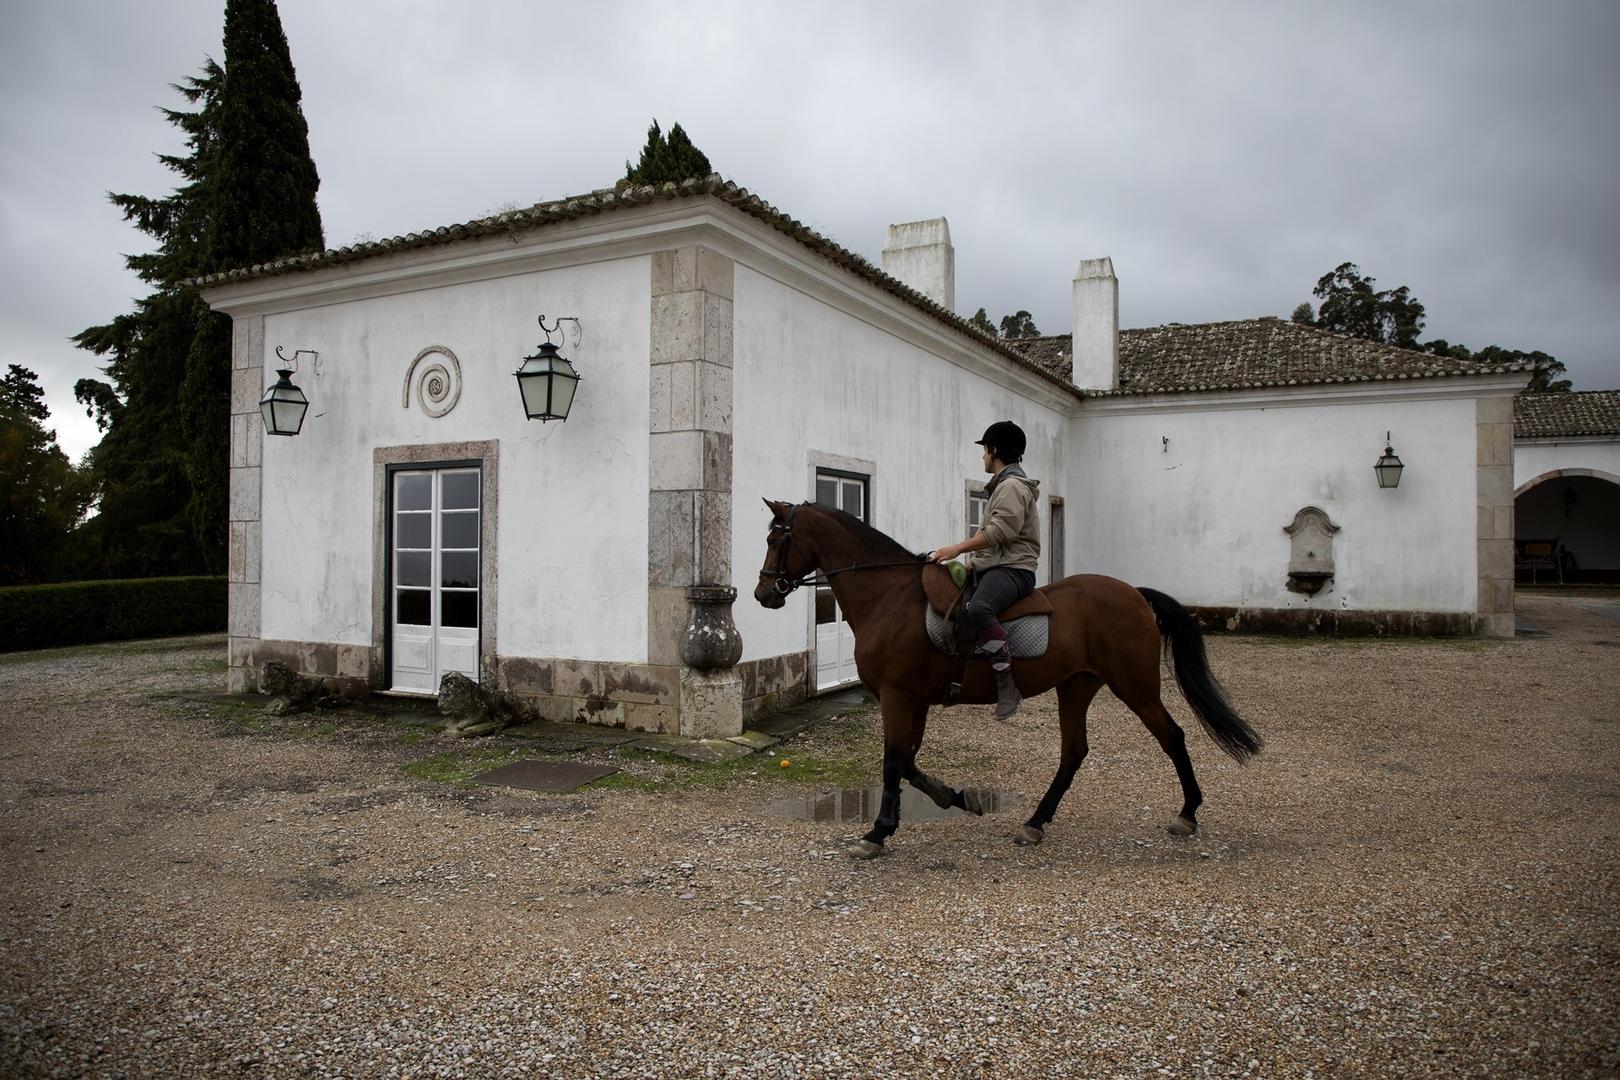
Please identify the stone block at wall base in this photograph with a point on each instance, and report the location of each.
(1330, 622)
(711, 704)
(242, 680)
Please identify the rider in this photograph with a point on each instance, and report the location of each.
(1004, 552)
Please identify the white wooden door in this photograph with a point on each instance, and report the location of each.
(835, 642)
(434, 578)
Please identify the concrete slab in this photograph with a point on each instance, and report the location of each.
(755, 740)
(544, 775)
(789, 722)
(708, 751)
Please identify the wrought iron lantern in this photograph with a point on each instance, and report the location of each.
(1389, 466)
(283, 405)
(547, 380)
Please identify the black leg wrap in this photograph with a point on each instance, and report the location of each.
(942, 794)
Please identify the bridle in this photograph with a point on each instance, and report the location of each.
(785, 582)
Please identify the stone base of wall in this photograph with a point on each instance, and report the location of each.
(773, 683)
(352, 666)
(1306, 622)
(639, 697)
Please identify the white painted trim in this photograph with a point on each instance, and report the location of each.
(1571, 440)
(1284, 397)
(628, 233)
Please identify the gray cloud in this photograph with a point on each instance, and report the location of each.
(1224, 155)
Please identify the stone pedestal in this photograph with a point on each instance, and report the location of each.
(711, 704)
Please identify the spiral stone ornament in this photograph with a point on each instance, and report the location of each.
(436, 375)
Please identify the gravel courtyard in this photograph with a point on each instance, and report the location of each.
(1419, 876)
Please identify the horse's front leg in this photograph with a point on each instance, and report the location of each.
(902, 734)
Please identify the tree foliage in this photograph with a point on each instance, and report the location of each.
(667, 159)
(42, 496)
(1018, 325)
(246, 195)
(1350, 305)
(981, 321)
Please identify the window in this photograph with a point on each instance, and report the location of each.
(851, 493)
(976, 500)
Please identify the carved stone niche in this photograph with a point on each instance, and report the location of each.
(1310, 562)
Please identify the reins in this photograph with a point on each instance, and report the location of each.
(786, 582)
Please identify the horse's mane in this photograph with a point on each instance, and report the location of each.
(866, 534)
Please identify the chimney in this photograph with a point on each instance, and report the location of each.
(1095, 339)
(919, 254)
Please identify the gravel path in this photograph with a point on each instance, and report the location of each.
(1418, 877)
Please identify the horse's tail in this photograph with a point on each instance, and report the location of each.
(1185, 643)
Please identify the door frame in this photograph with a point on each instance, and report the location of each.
(856, 469)
(387, 460)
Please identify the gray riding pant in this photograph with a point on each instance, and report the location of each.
(997, 589)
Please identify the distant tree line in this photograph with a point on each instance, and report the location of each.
(1348, 304)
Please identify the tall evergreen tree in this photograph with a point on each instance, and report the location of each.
(248, 196)
(664, 159)
(262, 207)
(143, 527)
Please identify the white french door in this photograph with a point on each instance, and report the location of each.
(835, 642)
(434, 581)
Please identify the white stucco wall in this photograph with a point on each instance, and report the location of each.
(1203, 519)
(1536, 459)
(572, 512)
(809, 377)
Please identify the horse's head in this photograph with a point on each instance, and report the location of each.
(786, 563)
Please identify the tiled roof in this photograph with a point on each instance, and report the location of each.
(1250, 354)
(1584, 412)
(627, 195)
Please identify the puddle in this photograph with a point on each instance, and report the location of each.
(861, 804)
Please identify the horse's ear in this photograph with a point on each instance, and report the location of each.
(777, 509)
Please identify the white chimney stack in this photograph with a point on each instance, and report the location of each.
(919, 254)
(1096, 325)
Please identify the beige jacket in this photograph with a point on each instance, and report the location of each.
(1012, 522)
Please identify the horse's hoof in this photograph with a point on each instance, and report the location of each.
(864, 849)
(1028, 836)
(1182, 827)
(974, 801)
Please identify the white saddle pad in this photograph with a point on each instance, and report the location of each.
(1028, 636)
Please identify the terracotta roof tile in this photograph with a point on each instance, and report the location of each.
(1250, 354)
(1583, 412)
(625, 195)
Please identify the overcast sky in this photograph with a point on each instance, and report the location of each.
(1225, 155)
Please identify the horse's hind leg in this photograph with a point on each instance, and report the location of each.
(1174, 743)
(1074, 699)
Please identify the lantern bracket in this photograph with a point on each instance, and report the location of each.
(556, 327)
(292, 361)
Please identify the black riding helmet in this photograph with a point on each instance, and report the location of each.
(1005, 439)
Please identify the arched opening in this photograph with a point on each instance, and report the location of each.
(1566, 526)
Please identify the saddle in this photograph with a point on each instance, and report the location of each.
(1026, 622)
(945, 598)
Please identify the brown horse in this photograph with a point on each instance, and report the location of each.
(1103, 633)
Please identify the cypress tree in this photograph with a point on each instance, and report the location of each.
(262, 195)
(664, 159)
(143, 525)
(248, 196)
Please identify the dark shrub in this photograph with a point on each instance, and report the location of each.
(79, 612)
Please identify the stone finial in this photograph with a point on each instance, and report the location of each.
(1096, 325)
(919, 254)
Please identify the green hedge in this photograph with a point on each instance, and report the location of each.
(79, 612)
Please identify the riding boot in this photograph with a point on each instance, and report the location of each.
(999, 652)
(1007, 695)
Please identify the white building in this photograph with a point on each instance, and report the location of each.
(419, 524)
(1566, 481)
